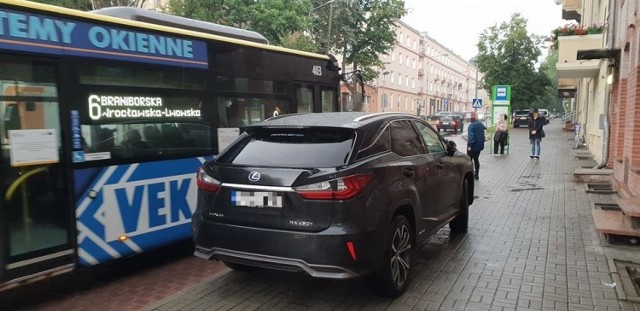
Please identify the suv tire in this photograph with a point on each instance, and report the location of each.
(460, 223)
(393, 276)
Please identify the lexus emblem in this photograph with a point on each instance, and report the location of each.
(254, 176)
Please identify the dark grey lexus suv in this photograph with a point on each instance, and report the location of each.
(336, 195)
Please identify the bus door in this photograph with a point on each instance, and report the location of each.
(35, 215)
(312, 97)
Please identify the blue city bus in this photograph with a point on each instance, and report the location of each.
(106, 115)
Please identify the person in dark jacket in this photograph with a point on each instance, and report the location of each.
(475, 141)
(536, 132)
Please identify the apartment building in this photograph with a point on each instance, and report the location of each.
(602, 69)
(422, 76)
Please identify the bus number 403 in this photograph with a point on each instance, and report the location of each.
(317, 70)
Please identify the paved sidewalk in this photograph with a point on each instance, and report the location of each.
(531, 245)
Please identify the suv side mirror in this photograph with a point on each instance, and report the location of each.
(451, 147)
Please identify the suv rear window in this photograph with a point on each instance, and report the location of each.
(522, 112)
(296, 148)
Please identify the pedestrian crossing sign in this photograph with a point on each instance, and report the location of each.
(477, 103)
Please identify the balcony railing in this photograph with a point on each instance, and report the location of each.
(420, 72)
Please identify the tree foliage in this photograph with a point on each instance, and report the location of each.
(508, 56)
(277, 20)
(360, 30)
(549, 98)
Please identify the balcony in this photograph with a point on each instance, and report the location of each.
(572, 9)
(568, 66)
(420, 72)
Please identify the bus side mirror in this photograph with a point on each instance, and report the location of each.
(332, 64)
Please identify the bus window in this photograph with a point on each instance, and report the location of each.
(11, 119)
(132, 126)
(142, 76)
(243, 111)
(328, 99)
(304, 97)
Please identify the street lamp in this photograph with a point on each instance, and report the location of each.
(384, 83)
(428, 70)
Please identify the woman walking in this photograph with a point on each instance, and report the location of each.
(536, 133)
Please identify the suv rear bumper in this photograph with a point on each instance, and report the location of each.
(320, 254)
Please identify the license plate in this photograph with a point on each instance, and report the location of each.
(445, 123)
(260, 199)
(523, 118)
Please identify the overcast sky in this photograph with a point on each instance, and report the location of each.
(457, 23)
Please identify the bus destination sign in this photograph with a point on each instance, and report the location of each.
(135, 107)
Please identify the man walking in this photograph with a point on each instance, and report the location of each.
(475, 141)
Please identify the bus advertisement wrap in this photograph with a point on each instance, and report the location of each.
(46, 34)
(127, 209)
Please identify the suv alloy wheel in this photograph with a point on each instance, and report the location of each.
(393, 277)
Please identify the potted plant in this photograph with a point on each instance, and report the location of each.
(574, 30)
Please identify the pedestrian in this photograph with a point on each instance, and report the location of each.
(536, 133)
(475, 141)
(501, 135)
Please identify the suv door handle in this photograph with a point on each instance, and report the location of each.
(440, 165)
(408, 172)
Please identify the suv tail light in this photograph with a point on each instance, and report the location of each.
(337, 189)
(206, 182)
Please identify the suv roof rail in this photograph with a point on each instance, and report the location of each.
(375, 115)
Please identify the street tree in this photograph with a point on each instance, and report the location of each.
(549, 99)
(359, 30)
(508, 54)
(279, 21)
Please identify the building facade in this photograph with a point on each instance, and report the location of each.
(422, 76)
(603, 68)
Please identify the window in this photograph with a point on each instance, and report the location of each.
(406, 103)
(406, 80)
(143, 76)
(400, 58)
(327, 99)
(400, 79)
(299, 148)
(405, 139)
(304, 97)
(431, 139)
(381, 144)
(167, 125)
(393, 56)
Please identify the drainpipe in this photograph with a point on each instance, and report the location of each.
(610, 70)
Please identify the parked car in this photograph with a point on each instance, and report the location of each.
(521, 118)
(450, 123)
(334, 195)
(545, 114)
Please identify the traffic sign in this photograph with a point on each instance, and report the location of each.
(477, 103)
